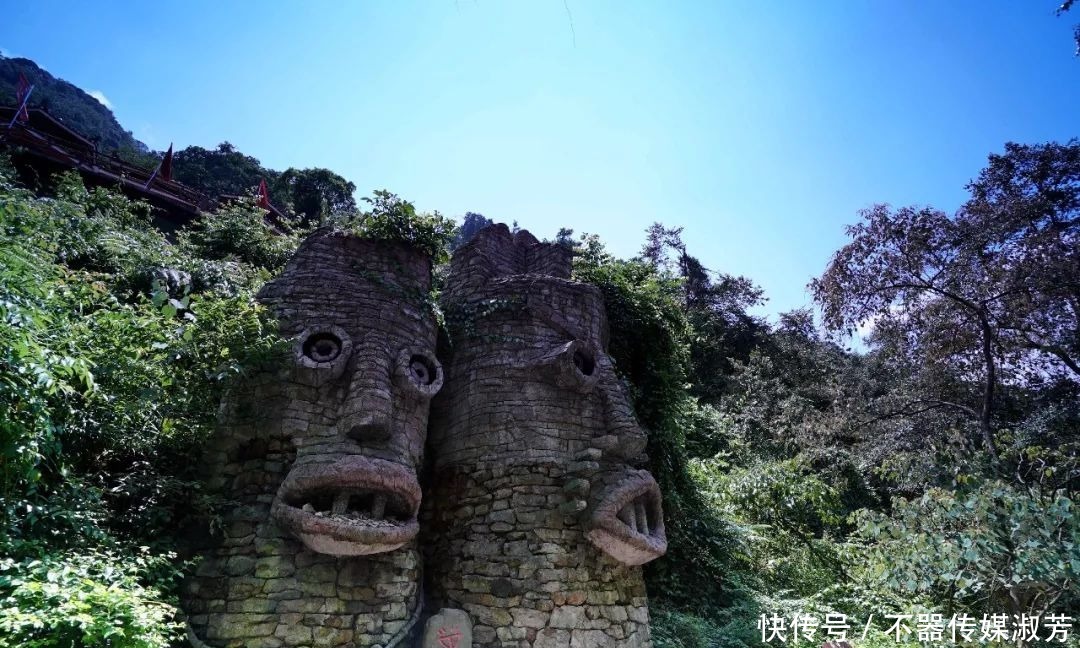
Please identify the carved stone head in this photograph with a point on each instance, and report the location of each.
(363, 373)
(318, 458)
(539, 501)
(540, 386)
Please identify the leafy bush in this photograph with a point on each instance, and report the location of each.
(87, 600)
(239, 232)
(649, 344)
(394, 219)
(673, 629)
(788, 513)
(732, 627)
(987, 548)
(108, 386)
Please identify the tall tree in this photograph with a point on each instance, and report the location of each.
(222, 171)
(716, 305)
(1024, 216)
(986, 298)
(470, 225)
(313, 195)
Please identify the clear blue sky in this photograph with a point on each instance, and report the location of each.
(761, 127)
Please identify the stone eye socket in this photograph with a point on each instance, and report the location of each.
(418, 373)
(573, 365)
(322, 354)
(322, 347)
(421, 370)
(584, 362)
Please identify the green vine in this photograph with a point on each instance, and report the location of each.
(422, 299)
(462, 317)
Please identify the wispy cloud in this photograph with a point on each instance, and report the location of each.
(102, 99)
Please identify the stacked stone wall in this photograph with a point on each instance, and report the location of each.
(521, 566)
(534, 450)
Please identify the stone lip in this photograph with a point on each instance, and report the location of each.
(354, 506)
(628, 523)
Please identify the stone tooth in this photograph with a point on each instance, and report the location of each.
(341, 503)
(642, 518)
(308, 508)
(378, 506)
(626, 514)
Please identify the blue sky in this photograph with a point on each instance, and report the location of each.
(760, 127)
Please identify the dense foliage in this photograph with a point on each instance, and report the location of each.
(222, 171)
(116, 344)
(312, 197)
(94, 599)
(391, 218)
(932, 473)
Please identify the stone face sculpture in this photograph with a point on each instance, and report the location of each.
(538, 513)
(319, 459)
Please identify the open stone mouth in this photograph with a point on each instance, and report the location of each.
(628, 523)
(354, 506)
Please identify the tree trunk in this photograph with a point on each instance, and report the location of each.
(988, 387)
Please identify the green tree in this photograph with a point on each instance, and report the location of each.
(223, 171)
(976, 301)
(239, 232)
(470, 225)
(391, 218)
(314, 195)
(109, 384)
(650, 348)
(987, 548)
(716, 305)
(91, 600)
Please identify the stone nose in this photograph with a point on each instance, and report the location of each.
(623, 437)
(365, 413)
(366, 427)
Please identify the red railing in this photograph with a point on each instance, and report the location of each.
(109, 166)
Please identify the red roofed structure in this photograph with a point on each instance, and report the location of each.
(48, 146)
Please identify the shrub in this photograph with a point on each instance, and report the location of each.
(394, 219)
(238, 232)
(87, 600)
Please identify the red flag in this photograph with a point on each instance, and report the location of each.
(21, 93)
(163, 169)
(264, 194)
(166, 166)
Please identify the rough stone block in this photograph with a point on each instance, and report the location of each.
(448, 628)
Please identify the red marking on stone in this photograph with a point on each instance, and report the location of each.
(449, 637)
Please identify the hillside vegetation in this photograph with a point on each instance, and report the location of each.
(68, 103)
(933, 473)
(312, 195)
